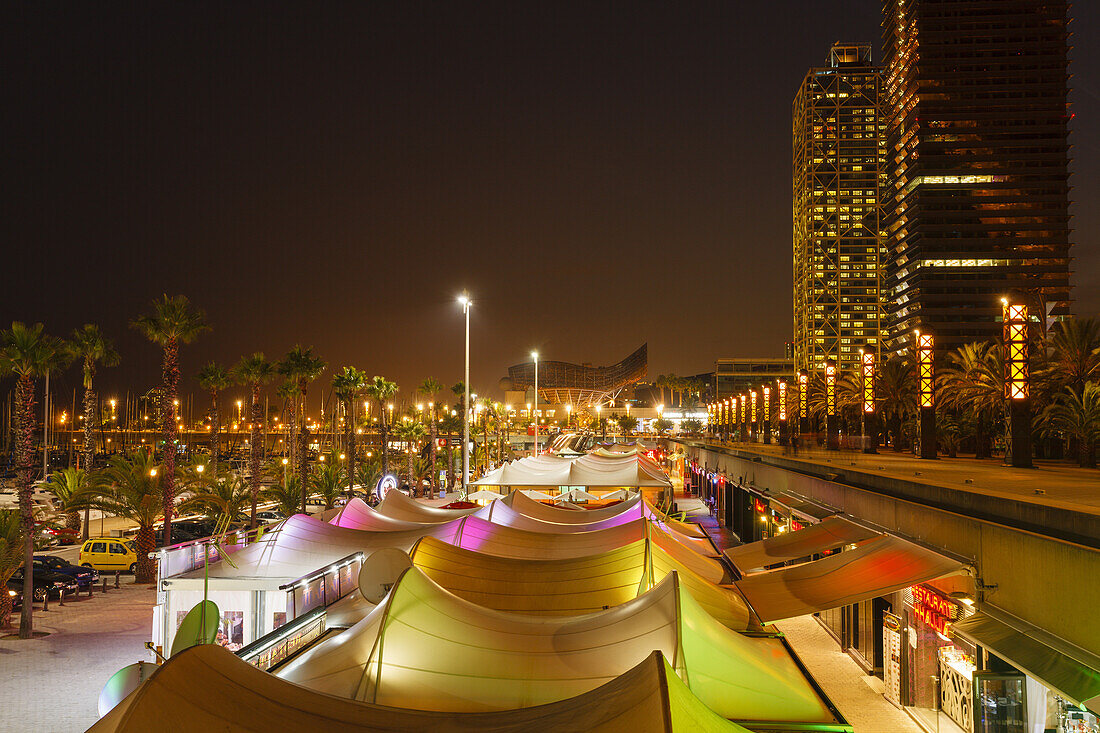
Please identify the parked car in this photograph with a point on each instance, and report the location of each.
(109, 554)
(83, 576)
(198, 528)
(270, 516)
(44, 582)
(57, 534)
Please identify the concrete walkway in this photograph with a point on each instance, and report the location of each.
(53, 683)
(844, 682)
(1062, 484)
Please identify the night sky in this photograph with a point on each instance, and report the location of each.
(597, 175)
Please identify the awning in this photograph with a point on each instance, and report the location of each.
(1069, 677)
(833, 532)
(877, 567)
(788, 503)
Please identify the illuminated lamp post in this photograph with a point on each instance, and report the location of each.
(726, 419)
(535, 412)
(735, 423)
(870, 418)
(744, 430)
(803, 402)
(832, 440)
(784, 435)
(464, 299)
(753, 426)
(926, 393)
(766, 416)
(1017, 385)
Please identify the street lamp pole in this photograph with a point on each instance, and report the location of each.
(535, 412)
(466, 303)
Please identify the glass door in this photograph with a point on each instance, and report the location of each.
(1000, 703)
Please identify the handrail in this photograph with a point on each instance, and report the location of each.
(314, 575)
(285, 641)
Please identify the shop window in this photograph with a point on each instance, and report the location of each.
(231, 630)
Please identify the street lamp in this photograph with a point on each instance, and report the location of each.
(465, 301)
(534, 414)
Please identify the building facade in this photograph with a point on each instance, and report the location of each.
(837, 175)
(977, 201)
(734, 376)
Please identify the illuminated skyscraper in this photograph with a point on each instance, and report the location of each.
(837, 171)
(977, 201)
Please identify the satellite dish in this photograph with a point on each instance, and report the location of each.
(197, 627)
(122, 683)
(380, 571)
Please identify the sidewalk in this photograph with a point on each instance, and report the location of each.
(843, 681)
(53, 683)
(1062, 484)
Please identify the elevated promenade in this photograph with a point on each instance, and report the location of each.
(1032, 536)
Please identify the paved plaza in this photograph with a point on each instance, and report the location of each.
(53, 683)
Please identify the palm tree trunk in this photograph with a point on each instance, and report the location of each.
(432, 433)
(215, 433)
(24, 457)
(89, 449)
(146, 569)
(171, 374)
(349, 441)
(385, 444)
(254, 454)
(303, 476)
(412, 486)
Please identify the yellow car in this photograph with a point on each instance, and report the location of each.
(109, 553)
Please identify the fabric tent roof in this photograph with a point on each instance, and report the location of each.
(303, 544)
(397, 505)
(830, 533)
(208, 688)
(587, 470)
(357, 514)
(574, 495)
(879, 566)
(517, 510)
(1069, 677)
(578, 585)
(426, 648)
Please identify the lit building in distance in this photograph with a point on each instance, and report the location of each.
(978, 194)
(734, 376)
(838, 172)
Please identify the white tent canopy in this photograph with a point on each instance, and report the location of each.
(425, 648)
(207, 688)
(591, 471)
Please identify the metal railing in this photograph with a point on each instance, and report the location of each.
(323, 587)
(284, 642)
(191, 555)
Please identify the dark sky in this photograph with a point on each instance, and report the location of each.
(597, 175)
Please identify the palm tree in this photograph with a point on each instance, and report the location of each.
(129, 487)
(627, 423)
(450, 425)
(409, 432)
(326, 481)
(90, 348)
(171, 323)
(348, 386)
(972, 384)
(896, 384)
(288, 391)
(11, 557)
(214, 378)
(65, 485)
(1078, 416)
(382, 390)
(485, 406)
(28, 353)
(226, 497)
(301, 367)
(1074, 357)
(430, 388)
(287, 494)
(254, 371)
